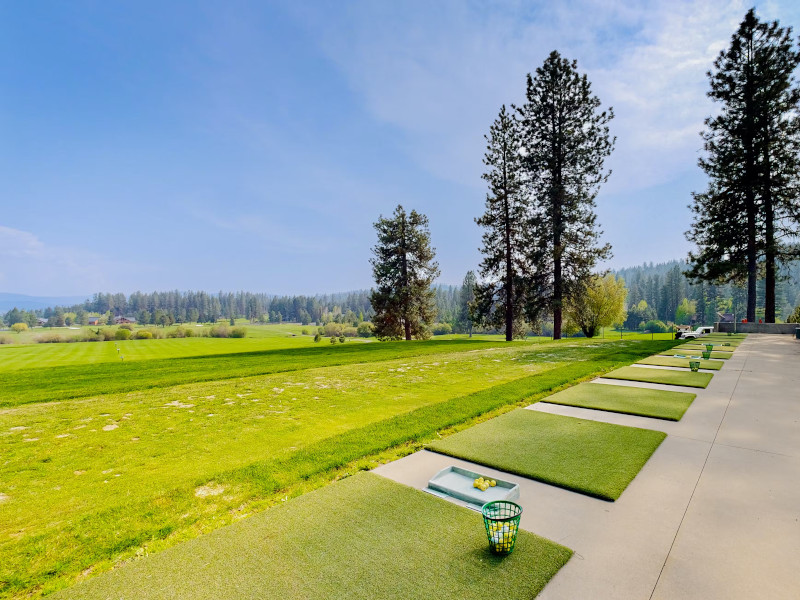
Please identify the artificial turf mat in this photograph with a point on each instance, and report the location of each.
(696, 352)
(670, 361)
(589, 457)
(660, 404)
(665, 376)
(364, 537)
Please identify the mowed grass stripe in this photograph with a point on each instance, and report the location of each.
(61, 383)
(589, 457)
(669, 361)
(659, 404)
(53, 556)
(663, 376)
(364, 537)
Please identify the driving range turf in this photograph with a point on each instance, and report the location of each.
(92, 481)
(663, 376)
(364, 537)
(668, 361)
(643, 402)
(544, 447)
(696, 354)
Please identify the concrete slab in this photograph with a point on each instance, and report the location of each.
(741, 534)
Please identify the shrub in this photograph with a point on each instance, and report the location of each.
(317, 337)
(49, 338)
(4, 339)
(795, 316)
(321, 330)
(365, 329)
(127, 326)
(180, 332)
(333, 329)
(219, 331)
(655, 326)
(341, 339)
(333, 340)
(350, 332)
(442, 329)
(19, 327)
(144, 334)
(105, 335)
(304, 331)
(122, 334)
(239, 332)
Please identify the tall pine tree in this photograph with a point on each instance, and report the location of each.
(404, 269)
(500, 298)
(566, 141)
(752, 162)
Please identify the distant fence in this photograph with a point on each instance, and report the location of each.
(784, 328)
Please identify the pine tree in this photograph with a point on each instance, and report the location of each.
(466, 302)
(500, 298)
(404, 269)
(752, 162)
(566, 141)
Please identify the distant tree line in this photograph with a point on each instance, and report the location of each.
(661, 292)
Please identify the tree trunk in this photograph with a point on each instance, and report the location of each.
(769, 232)
(509, 285)
(404, 259)
(750, 185)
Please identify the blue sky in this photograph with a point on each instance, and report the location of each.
(251, 145)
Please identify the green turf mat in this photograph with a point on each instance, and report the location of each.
(660, 404)
(670, 361)
(364, 537)
(698, 353)
(593, 458)
(665, 376)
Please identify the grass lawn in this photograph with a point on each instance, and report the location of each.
(589, 457)
(669, 361)
(660, 404)
(364, 537)
(696, 352)
(88, 482)
(665, 376)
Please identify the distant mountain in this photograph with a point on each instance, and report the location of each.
(9, 301)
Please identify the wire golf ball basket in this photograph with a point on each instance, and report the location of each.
(501, 520)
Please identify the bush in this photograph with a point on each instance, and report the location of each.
(19, 327)
(442, 329)
(333, 329)
(127, 326)
(49, 338)
(304, 331)
(219, 331)
(144, 334)
(4, 339)
(122, 334)
(333, 340)
(350, 332)
(341, 339)
(317, 337)
(239, 332)
(180, 332)
(655, 326)
(365, 329)
(795, 316)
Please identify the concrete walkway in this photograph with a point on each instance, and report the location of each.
(714, 514)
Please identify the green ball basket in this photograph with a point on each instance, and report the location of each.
(694, 365)
(706, 355)
(501, 520)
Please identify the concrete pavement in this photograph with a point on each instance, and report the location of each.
(715, 513)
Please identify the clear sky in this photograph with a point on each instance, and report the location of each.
(251, 145)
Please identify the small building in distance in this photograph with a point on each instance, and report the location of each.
(121, 320)
(94, 320)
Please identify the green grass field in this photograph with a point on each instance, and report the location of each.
(664, 376)
(363, 538)
(669, 361)
(659, 404)
(542, 446)
(89, 481)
